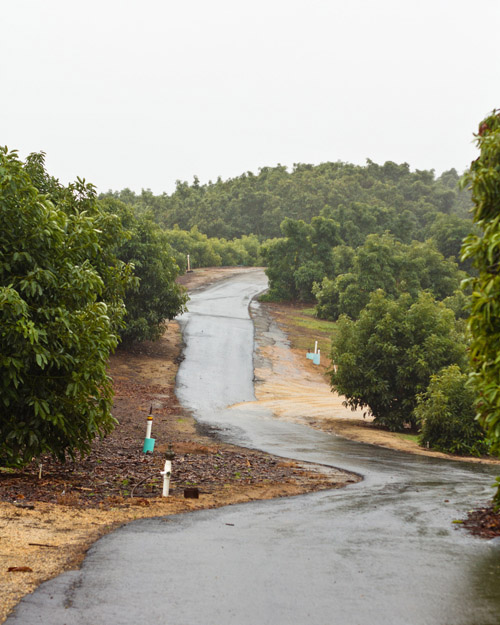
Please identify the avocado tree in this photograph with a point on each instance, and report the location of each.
(299, 259)
(382, 262)
(61, 306)
(154, 296)
(483, 249)
(446, 414)
(386, 358)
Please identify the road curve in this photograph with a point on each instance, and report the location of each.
(383, 551)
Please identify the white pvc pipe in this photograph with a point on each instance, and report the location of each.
(167, 470)
(315, 347)
(149, 426)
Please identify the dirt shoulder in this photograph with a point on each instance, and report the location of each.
(48, 522)
(296, 389)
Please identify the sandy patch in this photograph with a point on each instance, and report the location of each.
(293, 390)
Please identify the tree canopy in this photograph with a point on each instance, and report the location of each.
(300, 258)
(385, 358)
(363, 200)
(384, 263)
(153, 297)
(61, 307)
(445, 413)
(483, 249)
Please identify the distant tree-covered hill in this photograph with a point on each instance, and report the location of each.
(361, 199)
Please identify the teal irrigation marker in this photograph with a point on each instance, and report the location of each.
(149, 445)
(315, 355)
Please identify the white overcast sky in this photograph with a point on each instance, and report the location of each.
(140, 93)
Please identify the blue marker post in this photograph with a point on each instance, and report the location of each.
(316, 355)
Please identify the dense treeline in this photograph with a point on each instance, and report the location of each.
(362, 200)
(302, 215)
(210, 251)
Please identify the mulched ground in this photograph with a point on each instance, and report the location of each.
(117, 469)
(484, 522)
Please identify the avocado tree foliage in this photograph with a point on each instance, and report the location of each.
(483, 249)
(299, 259)
(361, 199)
(382, 262)
(61, 307)
(445, 412)
(386, 358)
(153, 297)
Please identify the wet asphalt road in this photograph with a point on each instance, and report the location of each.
(383, 551)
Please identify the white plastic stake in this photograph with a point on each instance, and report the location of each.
(167, 471)
(189, 264)
(315, 347)
(149, 423)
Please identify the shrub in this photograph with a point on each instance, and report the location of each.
(386, 358)
(446, 415)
